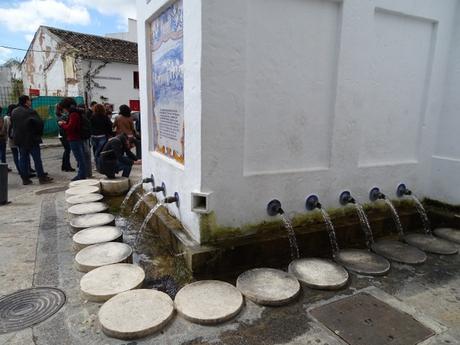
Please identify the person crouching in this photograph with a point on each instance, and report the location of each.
(116, 156)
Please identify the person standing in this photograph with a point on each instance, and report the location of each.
(27, 129)
(124, 123)
(85, 134)
(9, 133)
(66, 165)
(101, 130)
(3, 139)
(72, 129)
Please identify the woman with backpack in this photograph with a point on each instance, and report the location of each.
(72, 129)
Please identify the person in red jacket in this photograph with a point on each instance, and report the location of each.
(72, 129)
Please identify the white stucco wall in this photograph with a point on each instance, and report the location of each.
(446, 160)
(306, 96)
(182, 179)
(117, 78)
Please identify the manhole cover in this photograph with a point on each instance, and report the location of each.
(26, 308)
(363, 319)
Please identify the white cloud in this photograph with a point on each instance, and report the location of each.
(5, 54)
(28, 15)
(124, 9)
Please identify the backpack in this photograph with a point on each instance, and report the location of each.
(85, 127)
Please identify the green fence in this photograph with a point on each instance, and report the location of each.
(46, 108)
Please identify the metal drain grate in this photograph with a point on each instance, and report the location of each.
(26, 308)
(363, 319)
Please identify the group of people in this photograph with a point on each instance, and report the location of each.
(80, 129)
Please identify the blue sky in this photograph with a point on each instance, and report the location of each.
(19, 19)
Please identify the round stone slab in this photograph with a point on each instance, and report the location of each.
(362, 262)
(431, 244)
(448, 234)
(84, 198)
(81, 190)
(208, 302)
(104, 282)
(399, 252)
(115, 187)
(87, 182)
(268, 286)
(103, 254)
(136, 314)
(91, 220)
(88, 208)
(96, 235)
(319, 273)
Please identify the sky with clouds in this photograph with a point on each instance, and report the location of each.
(19, 19)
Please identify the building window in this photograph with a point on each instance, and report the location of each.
(136, 80)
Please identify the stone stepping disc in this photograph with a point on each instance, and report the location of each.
(268, 286)
(136, 314)
(431, 244)
(87, 208)
(319, 273)
(87, 182)
(103, 254)
(104, 282)
(208, 302)
(362, 261)
(448, 234)
(81, 190)
(96, 235)
(91, 221)
(115, 187)
(84, 198)
(399, 252)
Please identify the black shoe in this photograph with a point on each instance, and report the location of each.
(32, 170)
(45, 179)
(32, 175)
(25, 182)
(9, 170)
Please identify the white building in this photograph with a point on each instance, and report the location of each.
(283, 98)
(66, 63)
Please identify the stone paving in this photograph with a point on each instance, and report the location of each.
(36, 250)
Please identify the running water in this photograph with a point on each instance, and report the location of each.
(291, 236)
(395, 216)
(331, 231)
(133, 189)
(139, 202)
(421, 211)
(365, 226)
(147, 219)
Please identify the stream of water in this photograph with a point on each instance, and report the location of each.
(330, 231)
(131, 191)
(421, 211)
(147, 219)
(365, 226)
(139, 202)
(395, 217)
(295, 254)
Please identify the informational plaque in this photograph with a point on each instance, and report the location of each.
(168, 82)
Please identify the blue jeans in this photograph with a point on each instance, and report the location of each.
(24, 161)
(15, 152)
(77, 149)
(98, 144)
(3, 151)
(126, 168)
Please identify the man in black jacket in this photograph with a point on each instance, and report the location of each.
(117, 156)
(27, 134)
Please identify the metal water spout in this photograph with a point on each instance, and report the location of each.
(312, 202)
(161, 188)
(402, 190)
(346, 198)
(150, 180)
(274, 208)
(375, 194)
(172, 199)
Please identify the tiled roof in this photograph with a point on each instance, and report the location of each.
(98, 47)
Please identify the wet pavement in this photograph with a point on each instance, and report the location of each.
(36, 250)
